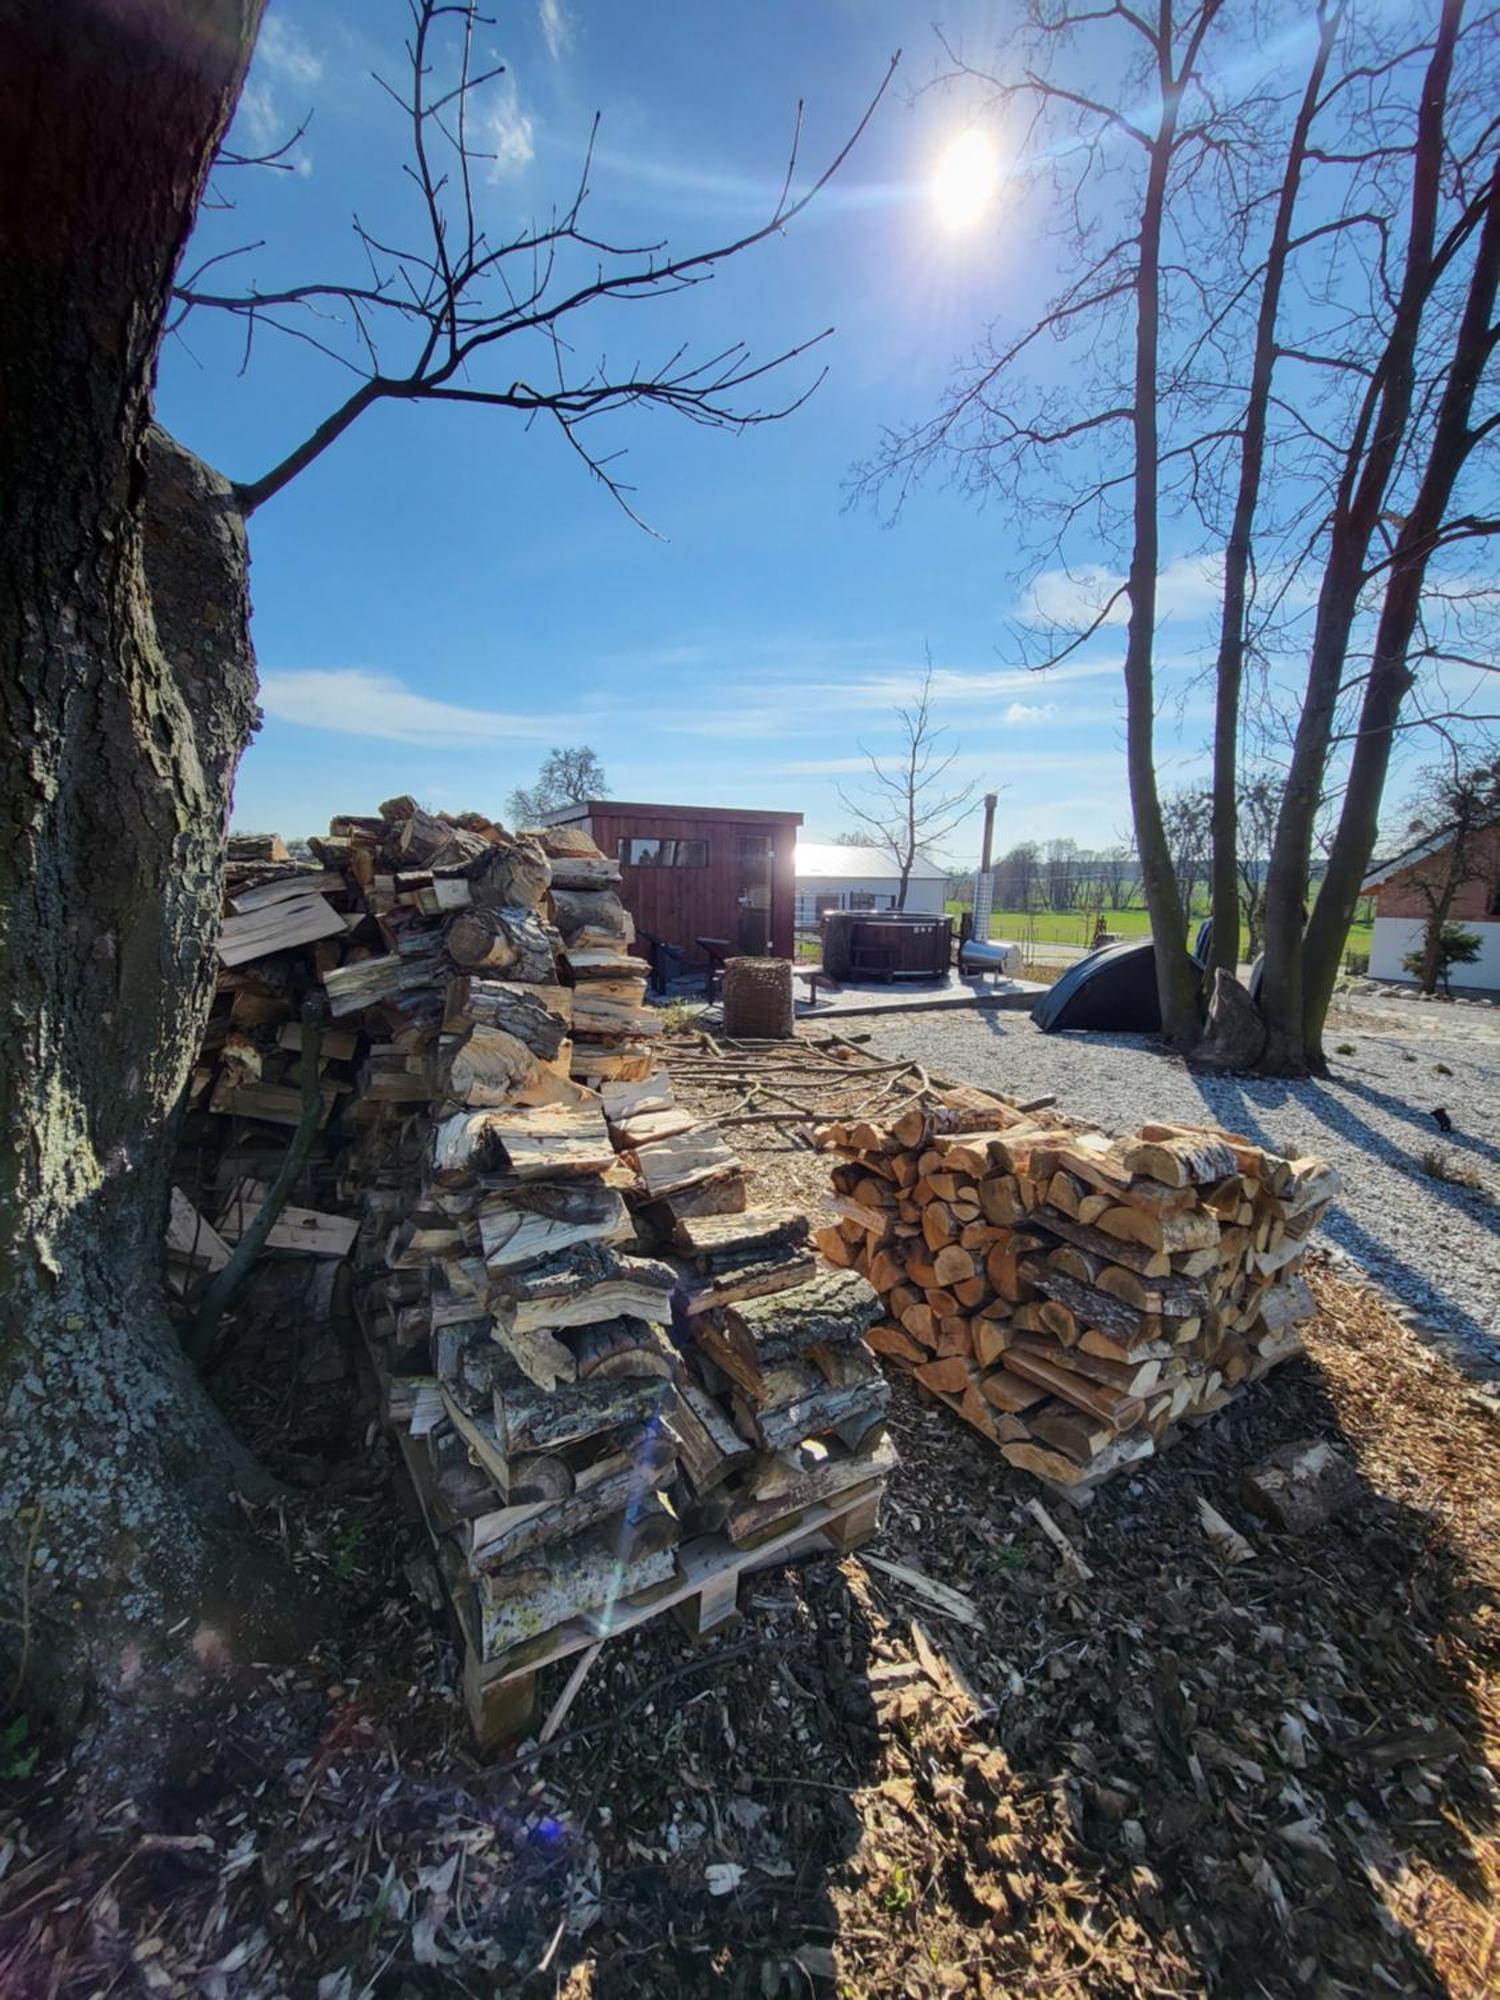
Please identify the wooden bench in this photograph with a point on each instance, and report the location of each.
(812, 971)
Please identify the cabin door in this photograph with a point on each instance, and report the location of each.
(755, 855)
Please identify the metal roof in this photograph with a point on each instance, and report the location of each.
(1382, 871)
(832, 861)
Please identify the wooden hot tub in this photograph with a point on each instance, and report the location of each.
(886, 944)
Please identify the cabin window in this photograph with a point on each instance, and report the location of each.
(664, 853)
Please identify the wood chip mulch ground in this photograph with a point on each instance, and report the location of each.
(1184, 1774)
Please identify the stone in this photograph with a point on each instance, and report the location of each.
(1235, 1036)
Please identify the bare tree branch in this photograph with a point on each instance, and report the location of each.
(454, 295)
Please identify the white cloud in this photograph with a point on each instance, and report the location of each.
(510, 130)
(281, 57)
(357, 702)
(262, 120)
(282, 50)
(1188, 587)
(556, 28)
(1030, 711)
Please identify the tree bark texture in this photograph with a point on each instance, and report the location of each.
(126, 696)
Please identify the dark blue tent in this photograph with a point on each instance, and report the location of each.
(1113, 990)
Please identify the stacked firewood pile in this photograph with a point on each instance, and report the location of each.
(1070, 1294)
(283, 923)
(610, 1378)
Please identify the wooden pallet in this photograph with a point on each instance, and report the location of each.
(501, 1695)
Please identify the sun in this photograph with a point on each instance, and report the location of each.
(965, 180)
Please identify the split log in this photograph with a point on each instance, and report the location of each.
(1184, 1159)
(536, 1015)
(579, 1578)
(711, 1450)
(553, 1140)
(545, 1217)
(307, 1231)
(893, 1341)
(1302, 1485)
(1060, 1470)
(530, 1419)
(683, 1160)
(1119, 1412)
(996, 1424)
(501, 942)
(284, 923)
(795, 1402)
(580, 1285)
(750, 1277)
(512, 874)
(622, 1348)
(622, 1099)
(1007, 1391)
(488, 1070)
(590, 911)
(1126, 1378)
(497, 1537)
(1073, 1431)
(704, 1239)
(819, 1473)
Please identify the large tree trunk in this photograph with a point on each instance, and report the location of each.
(126, 695)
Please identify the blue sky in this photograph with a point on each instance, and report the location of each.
(445, 594)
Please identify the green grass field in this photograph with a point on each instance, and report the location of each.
(1076, 927)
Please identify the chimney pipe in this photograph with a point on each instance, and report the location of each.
(990, 801)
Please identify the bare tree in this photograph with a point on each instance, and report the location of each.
(1130, 163)
(1060, 868)
(1187, 815)
(1018, 877)
(1456, 805)
(426, 319)
(908, 808)
(567, 778)
(1234, 627)
(1279, 322)
(1414, 433)
(1117, 874)
(127, 682)
(1258, 809)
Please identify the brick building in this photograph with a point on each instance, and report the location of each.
(1401, 909)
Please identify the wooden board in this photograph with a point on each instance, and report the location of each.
(310, 1231)
(280, 927)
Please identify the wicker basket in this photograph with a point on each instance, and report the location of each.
(758, 999)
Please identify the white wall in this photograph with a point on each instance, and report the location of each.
(923, 899)
(1396, 936)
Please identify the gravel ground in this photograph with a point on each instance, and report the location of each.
(1434, 1244)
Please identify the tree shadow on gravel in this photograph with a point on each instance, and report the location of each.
(1457, 1141)
(1229, 1104)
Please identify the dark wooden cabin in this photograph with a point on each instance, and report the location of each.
(691, 872)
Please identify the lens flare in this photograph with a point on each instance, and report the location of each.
(965, 180)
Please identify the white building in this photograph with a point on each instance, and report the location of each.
(834, 877)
